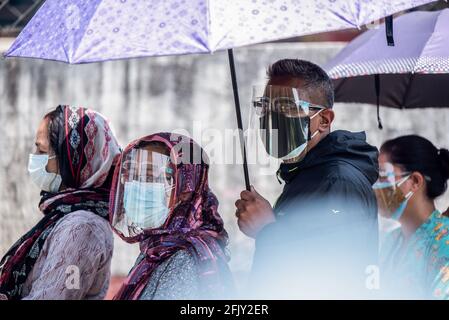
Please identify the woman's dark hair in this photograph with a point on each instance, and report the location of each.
(54, 128)
(417, 154)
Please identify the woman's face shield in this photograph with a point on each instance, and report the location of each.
(144, 189)
(387, 189)
(146, 165)
(281, 119)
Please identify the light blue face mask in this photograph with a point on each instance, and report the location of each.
(145, 204)
(299, 150)
(397, 214)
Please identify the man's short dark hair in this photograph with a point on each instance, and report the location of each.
(313, 76)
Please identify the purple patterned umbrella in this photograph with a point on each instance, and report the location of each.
(412, 74)
(82, 31)
(79, 31)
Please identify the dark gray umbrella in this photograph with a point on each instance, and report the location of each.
(414, 73)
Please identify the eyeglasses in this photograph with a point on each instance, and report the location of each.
(286, 106)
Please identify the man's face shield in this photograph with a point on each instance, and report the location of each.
(144, 189)
(281, 119)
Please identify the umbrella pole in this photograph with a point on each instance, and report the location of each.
(239, 116)
(377, 88)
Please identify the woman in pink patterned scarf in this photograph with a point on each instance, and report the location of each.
(67, 254)
(161, 198)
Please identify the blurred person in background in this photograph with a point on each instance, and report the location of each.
(67, 254)
(322, 234)
(414, 258)
(161, 199)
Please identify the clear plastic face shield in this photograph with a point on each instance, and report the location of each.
(144, 190)
(281, 121)
(391, 199)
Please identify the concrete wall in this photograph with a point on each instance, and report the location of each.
(162, 94)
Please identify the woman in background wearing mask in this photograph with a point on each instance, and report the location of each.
(67, 254)
(161, 198)
(415, 257)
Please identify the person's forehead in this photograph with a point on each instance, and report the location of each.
(42, 133)
(155, 148)
(386, 166)
(383, 158)
(149, 154)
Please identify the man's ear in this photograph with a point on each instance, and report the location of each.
(326, 118)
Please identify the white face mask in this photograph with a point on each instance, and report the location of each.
(47, 181)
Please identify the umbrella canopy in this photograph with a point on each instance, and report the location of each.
(80, 31)
(412, 74)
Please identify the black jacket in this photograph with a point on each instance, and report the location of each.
(324, 242)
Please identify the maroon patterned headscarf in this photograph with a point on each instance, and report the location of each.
(87, 151)
(193, 223)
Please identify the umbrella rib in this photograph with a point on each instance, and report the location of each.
(342, 52)
(425, 45)
(75, 56)
(209, 27)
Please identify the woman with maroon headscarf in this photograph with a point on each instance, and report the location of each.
(67, 255)
(161, 199)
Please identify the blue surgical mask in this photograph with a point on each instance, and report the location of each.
(397, 214)
(145, 204)
(299, 150)
(46, 181)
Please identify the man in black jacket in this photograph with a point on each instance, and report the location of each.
(321, 238)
